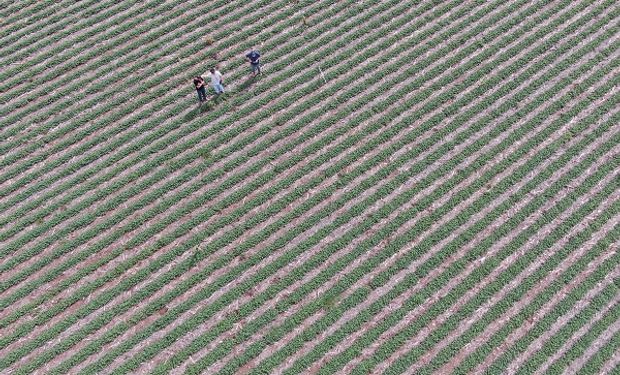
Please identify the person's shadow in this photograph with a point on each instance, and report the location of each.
(247, 83)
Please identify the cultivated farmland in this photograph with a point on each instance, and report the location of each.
(408, 187)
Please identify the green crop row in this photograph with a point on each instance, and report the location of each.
(580, 346)
(121, 63)
(473, 359)
(120, 168)
(179, 31)
(56, 206)
(598, 304)
(607, 352)
(374, 284)
(391, 345)
(176, 163)
(19, 12)
(396, 270)
(97, 140)
(37, 36)
(565, 305)
(158, 47)
(63, 53)
(522, 344)
(388, 347)
(514, 295)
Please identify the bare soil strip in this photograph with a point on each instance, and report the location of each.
(48, 279)
(573, 339)
(595, 347)
(386, 265)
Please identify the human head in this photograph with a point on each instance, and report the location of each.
(212, 70)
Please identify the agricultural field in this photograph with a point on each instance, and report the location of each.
(409, 187)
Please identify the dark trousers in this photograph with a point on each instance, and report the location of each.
(202, 94)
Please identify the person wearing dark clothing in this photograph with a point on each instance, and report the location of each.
(254, 58)
(201, 89)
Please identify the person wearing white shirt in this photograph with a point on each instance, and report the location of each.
(217, 81)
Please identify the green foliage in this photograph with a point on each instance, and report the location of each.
(97, 158)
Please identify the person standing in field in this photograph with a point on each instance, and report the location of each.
(199, 83)
(217, 81)
(253, 58)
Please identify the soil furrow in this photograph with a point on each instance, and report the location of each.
(596, 345)
(398, 302)
(497, 324)
(575, 336)
(404, 228)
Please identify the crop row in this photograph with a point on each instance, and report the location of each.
(579, 347)
(607, 352)
(123, 67)
(167, 154)
(179, 30)
(514, 295)
(55, 29)
(152, 47)
(184, 159)
(598, 304)
(108, 149)
(496, 235)
(19, 11)
(379, 283)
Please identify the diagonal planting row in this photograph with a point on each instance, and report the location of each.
(388, 219)
(149, 48)
(171, 293)
(154, 42)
